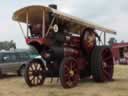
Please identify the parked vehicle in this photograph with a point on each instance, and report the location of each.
(13, 62)
(70, 47)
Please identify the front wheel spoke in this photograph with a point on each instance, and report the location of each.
(31, 77)
(30, 73)
(38, 81)
(40, 72)
(38, 67)
(35, 80)
(32, 81)
(30, 68)
(34, 77)
(40, 77)
(33, 67)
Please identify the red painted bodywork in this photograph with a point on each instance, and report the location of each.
(72, 48)
(37, 40)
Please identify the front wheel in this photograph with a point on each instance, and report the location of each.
(34, 73)
(102, 64)
(69, 73)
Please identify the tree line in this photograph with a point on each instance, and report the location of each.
(7, 45)
(113, 40)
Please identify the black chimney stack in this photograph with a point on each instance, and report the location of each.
(54, 6)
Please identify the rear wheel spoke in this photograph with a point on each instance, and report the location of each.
(107, 58)
(107, 75)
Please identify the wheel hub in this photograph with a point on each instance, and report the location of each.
(36, 73)
(71, 72)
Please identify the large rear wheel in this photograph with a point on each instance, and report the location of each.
(69, 73)
(34, 73)
(102, 64)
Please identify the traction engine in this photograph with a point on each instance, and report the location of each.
(69, 49)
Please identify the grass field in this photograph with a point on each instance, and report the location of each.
(15, 86)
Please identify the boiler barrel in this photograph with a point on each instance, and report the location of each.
(58, 52)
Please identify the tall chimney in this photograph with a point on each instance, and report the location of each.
(54, 6)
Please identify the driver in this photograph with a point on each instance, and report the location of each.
(35, 29)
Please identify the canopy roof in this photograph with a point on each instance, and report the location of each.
(35, 13)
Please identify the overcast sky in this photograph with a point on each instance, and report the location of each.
(109, 13)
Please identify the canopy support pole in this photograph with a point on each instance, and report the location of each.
(100, 37)
(50, 25)
(27, 17)
(43, 24)
(22, 30)
(104, 38)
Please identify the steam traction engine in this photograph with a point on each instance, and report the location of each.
(67, 45)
